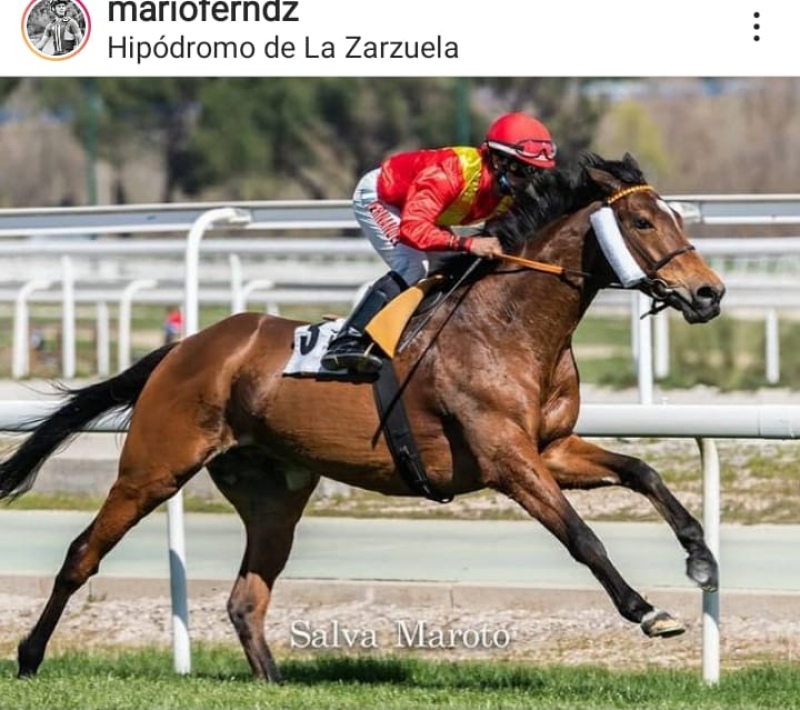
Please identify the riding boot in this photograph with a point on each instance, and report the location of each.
(351, 348)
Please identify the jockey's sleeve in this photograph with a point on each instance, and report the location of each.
(431, 193)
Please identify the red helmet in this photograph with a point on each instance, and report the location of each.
(523, 138)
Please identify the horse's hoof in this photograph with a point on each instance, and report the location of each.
(658, 623)
(274, 677)
(704, 571)
(28, 661)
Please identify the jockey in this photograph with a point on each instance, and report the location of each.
(63, 30)
(407, 206)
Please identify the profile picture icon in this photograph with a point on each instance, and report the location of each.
(56, 29)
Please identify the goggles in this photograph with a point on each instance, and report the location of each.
(533, 148)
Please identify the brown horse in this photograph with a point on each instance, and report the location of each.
(492, 393)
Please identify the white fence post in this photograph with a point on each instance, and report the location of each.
(103, 344)
(644, 359)
(711, 522)
(68, 318)
(772, 354)
(124, 325)
(661, 345)
(20, 366)
(237, 279)
(242, 296)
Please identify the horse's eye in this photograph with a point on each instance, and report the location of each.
(642, 223)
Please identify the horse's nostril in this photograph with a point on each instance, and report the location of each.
(709, 295)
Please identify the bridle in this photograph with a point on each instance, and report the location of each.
(654, 266)
(662, 293)
(657, 288)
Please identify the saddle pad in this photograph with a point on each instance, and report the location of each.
(310, 344)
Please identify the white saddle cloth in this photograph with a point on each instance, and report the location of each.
(310, 344)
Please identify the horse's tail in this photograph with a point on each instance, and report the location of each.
(18, 472)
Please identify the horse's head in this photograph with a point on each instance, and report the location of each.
(644, 241)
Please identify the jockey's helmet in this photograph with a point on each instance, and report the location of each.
(523, 138)
(53, 4)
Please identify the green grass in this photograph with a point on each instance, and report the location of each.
(727, 353)
(220, 679)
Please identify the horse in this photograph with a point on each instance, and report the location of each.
(490, 385)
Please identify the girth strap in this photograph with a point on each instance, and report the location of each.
(399, 438)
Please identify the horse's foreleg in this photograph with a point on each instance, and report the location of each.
(517, 470)
(576, 463)
(270, 508)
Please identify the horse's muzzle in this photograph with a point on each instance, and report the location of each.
(703, 304)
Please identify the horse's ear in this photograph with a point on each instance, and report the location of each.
(630, 160)
(607, 180)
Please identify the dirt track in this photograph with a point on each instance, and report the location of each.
(552, 626)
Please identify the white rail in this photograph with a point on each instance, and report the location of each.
(704, 423)
(325, 265)
(336, 216)
(767, 209)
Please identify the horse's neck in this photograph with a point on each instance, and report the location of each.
(565, 243)
(517, 305)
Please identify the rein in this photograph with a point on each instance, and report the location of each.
(541, 266)
(561, 271)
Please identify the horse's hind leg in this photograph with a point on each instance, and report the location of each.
(576, 463)
(151, 470)
(517, 469)
(270, 505)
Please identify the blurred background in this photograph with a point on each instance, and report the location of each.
(127, 141)
(132, 140)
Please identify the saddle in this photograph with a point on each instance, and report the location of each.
(387, 328)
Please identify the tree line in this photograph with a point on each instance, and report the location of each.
(246, 137)
(168, 139)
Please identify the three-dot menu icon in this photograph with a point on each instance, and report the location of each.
(756, 26)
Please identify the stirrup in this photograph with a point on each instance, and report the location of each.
(361, 361)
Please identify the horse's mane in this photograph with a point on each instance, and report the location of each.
(557, 193)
